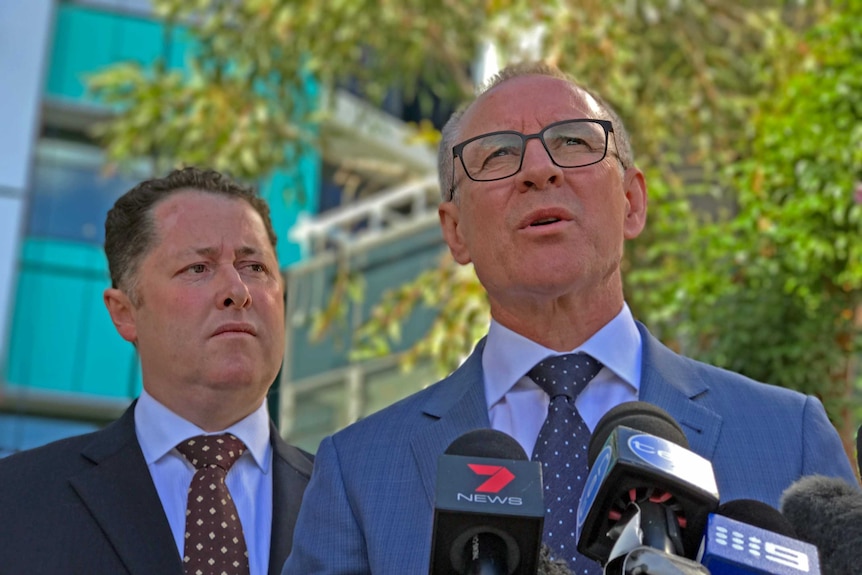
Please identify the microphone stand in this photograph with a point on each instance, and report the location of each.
(648, 543)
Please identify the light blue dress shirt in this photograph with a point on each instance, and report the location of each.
(517, 406)
(159, 430)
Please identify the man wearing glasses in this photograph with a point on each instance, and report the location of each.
(540, 192)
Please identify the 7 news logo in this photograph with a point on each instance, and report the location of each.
(498, 478)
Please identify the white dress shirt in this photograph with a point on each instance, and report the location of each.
(159, 430)
(517, 406)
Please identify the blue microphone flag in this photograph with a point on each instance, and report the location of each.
(731, 547)
(631, 463)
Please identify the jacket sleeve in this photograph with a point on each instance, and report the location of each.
(327, 539)
(823, 453)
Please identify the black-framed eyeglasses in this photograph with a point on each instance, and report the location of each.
(498, 155)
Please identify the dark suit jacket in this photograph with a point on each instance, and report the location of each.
(369, 505)
(87, 505)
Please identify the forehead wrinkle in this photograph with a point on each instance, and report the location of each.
(579, 105)
(213, 252)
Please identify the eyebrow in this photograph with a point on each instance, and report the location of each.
(212, 252)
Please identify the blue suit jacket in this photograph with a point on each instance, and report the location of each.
(369, 505)
(87, 505)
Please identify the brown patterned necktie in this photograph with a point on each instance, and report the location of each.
(214, 543)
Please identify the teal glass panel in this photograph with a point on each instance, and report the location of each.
(289, 194)
(70, 196)
(62, 337)
(321, 410)
(382, 268)
(20, 432)
(87, 40)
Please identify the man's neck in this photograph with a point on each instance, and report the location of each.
(561, 324)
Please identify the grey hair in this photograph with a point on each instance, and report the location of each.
(451, 132)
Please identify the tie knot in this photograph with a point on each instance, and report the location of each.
(565, 374)
(212, 450)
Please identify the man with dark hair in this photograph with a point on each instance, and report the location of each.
(194, 477)
(539, 193)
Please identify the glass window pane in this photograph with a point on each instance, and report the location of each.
(385, 387)
(70, 195)
(319, 412)
(19, 432)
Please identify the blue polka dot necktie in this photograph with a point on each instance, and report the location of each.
(562, 450)
(214, 542)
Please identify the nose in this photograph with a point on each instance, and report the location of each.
(538, 170)
(232, 290)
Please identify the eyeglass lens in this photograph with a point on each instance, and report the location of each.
(570, 144)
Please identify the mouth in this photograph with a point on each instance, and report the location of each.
(545, 217)
(545, 222)
(236, 329)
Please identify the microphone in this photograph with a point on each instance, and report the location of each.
(827, 512)
(647, 497)
(550, 566)
(748, 537)
(489, 510)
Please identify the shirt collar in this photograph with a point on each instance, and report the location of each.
(159, 430)
(508, 356)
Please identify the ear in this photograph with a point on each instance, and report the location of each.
(122, 313)
(636, 203)
(450, 215)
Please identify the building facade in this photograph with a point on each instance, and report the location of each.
(63, 368)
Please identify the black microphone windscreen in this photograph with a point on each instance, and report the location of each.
(758, 514)
(827, 512)
(549, 566)
(640, 416)
(487, 443)
(488, 509)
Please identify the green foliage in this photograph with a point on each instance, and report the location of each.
(744, 116)
(448, 287)
(777, 293)
(242, 100)
(672, 67)
(169, 116)
(348, 286)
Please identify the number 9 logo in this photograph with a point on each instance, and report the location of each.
(786, 556)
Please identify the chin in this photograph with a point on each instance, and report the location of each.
(237, 376)
(551, 281)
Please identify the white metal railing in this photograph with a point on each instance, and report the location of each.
(349, 225)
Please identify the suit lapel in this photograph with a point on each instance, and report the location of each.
(670, 382)
(456, 405)
(291, 471)
(119, 493)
